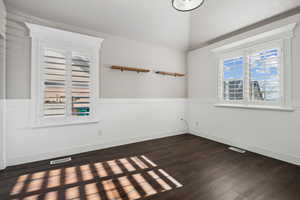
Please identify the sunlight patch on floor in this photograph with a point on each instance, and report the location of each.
(130, 178)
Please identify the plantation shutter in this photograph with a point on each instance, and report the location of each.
(265, 75)
(233, 79)
(67, 82)
(64, 76)
(54, 82)
(81, 82)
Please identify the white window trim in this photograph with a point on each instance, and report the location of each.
(41, 35)
(280, 37)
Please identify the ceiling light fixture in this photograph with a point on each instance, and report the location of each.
(187, 5)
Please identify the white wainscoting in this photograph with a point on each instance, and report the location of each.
(2, 84)
(267, 132)
(2, 129)
(122, 121)
(272, 133)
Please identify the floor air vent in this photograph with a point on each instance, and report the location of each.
(59, 161)
(237, 150)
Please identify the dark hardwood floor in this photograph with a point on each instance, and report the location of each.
(206, 169)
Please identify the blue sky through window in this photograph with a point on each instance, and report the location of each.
(264, 80)
(264, 65)
(233, 69)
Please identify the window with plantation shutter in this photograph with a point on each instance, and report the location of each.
(265, 75)
(233, 77)
(55, 83)
(64, 76)
(252, 78)
(256, 72)
(80, 85)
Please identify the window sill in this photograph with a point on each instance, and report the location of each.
(63, 124)
(256, 107)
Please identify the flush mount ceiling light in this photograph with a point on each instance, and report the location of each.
(187, 5)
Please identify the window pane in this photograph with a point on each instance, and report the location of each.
(80, 85)
(264, 75)
(54, 73)
(233, 77)
(56, 86)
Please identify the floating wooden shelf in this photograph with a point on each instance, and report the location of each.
(170, 73)
(133, 69)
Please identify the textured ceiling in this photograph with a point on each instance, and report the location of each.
(155, 21)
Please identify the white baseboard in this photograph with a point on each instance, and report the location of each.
(87, 148)
(258, 150)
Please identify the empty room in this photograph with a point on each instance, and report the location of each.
(149, 99)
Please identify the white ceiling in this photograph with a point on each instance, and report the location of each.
(219, 17)
(155, 21)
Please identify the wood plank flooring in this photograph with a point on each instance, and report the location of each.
(206, 169)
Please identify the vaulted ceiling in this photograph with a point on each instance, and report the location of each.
(156, 21)
(220, 17)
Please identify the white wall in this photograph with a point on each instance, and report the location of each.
(2, 153)
(272, 133)
(2, 17)
(2, 82)
(149, 107)
(121, 121)
(115, 51)
(224, 18)
(152, 21)
(116, 84)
